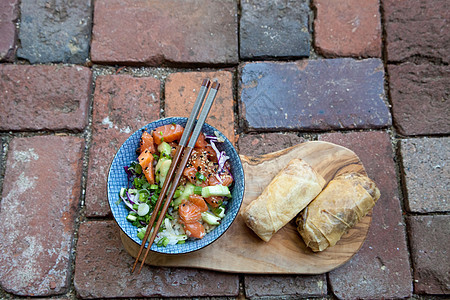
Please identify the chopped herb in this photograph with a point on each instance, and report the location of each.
(200, 176)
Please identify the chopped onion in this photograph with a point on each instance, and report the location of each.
(219, 138)
(168, 226)
(143, 209)
(215, 149)
(211, 137)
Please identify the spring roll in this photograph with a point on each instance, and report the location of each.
(288, 193)
(343, 203)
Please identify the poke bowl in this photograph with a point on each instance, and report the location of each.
(126, 201)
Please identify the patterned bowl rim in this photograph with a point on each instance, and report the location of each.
(233, 206)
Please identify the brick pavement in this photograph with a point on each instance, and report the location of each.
(372, 77)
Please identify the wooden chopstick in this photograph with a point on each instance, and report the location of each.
(184, 138)
(186, 154)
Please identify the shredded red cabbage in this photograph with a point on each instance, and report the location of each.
(130, 206)
(129, 198)
(129, 174)
(221, 157)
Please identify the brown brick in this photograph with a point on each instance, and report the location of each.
(258, 144)
(122, 105)
(157, 32)
(430, 244)
(381, 268)
(257, 286)
(417, 29)
(182, 90)
(426, 172)
(102, 270)
(9, 13)
(313, 95)
(347, 28)
(40, 201)
(44, 97)
(420, 95)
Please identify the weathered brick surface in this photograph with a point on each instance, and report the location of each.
(40, 201)
(274, 28)
(347, 28)
(276, 285)
(313, 95)
(2, 159)
(9, 13)
(426, 164)
(257, 286)
(381, 268)
(122, 105)
(156, 32)
(417, 29)
(258, 144)
(55, 31)
(102, 270)
(420, 95)
(181, 91)
(44, 97)
(430, 244)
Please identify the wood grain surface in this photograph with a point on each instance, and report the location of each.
(240, 250)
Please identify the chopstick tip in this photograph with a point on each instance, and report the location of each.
(215, 85)
(206, 82)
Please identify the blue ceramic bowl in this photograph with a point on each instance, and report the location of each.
(117, 178)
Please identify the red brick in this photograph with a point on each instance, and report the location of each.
(430, 244)
(102, 270)
(285, 285)
(417, 29)
(40, 201)
(182, 90)
(157, 32)
(419, 95)
(347, 28)
(426, 174)
(9, 13)
(381, 268)
(44, 97)
(122, 105)
(258, 144)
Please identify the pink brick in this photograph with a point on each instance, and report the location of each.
(347, 28)
(381, 267)
(182, 90)
(40, 201)
(9, 13)
(44, 97)
(157, 32)
(258, 144)
(102, 270)
(122, 105)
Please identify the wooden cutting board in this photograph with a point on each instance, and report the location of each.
(239, 250)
